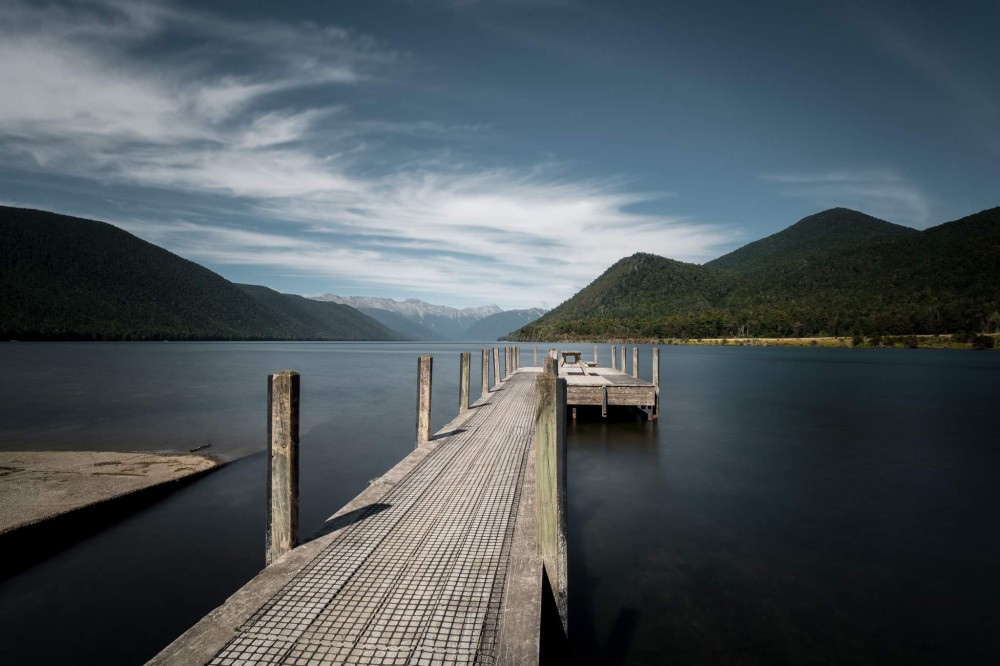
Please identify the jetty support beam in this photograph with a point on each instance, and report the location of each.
(550, 462)
(425, 367)
(282, 464)
(465, 368)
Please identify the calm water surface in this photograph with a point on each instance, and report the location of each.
(792, 506)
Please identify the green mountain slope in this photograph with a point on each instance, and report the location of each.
(835, 273)
(68, 278)
(643, 287)
(323, 320)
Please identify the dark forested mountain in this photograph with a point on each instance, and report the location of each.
(68, 278)
(834, 273)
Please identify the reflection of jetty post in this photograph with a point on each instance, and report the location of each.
(282, 464)
(486, 373)
(656, 382)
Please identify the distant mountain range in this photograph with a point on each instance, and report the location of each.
(838, 272)
(421, 320)
(66, 278)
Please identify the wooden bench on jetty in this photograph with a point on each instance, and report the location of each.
(457, 555)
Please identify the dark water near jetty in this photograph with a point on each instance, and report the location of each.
(792, 506)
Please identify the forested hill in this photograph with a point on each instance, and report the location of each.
(835, 273)
(832, 230)
(66, 278)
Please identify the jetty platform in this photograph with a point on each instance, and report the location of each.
(457, 555)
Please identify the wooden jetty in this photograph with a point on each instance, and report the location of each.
(457, 555)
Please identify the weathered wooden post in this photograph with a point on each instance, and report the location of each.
(517, 357)
(635, 362)
(282, 464)
(486, 373)
(656, 383)
(595, 354)
(614, 357)
(496, 367)
(465, 367)
(624, 367)
(553, 354)
(550, 468)
(424, 369)
(535, 363)
(506, 363)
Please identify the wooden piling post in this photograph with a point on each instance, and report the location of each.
(486, 373)
(550, 462)
(595, 354)
(614, 357)
(424, 370)
(535, 360)
(553, 354)
(635, 362)
(506, 363)
(282, 464)
(465, 370)
(656, 383)
(624, 367)
(517, 357)
(496, 367)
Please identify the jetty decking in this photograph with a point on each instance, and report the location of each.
(607, 387)
(446, 559)
(417, 570)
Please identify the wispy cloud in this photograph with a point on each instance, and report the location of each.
(88, 95)
(881, 193)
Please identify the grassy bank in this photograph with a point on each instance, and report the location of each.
(954, 341)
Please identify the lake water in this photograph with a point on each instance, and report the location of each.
(792, 506)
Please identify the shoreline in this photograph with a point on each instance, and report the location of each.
(923, 341)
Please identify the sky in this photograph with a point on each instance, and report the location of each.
(495, 151)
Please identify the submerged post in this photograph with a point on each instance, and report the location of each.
(465, 369)
(486, 373)
(656, 383)
(550, 466)
(424, 368)
(496, 366)
(635, 362)
(282, 464)
(614, 357)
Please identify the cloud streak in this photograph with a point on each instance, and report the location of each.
(221, 118)
(881, 193)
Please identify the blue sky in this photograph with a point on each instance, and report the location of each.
(471, 152)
